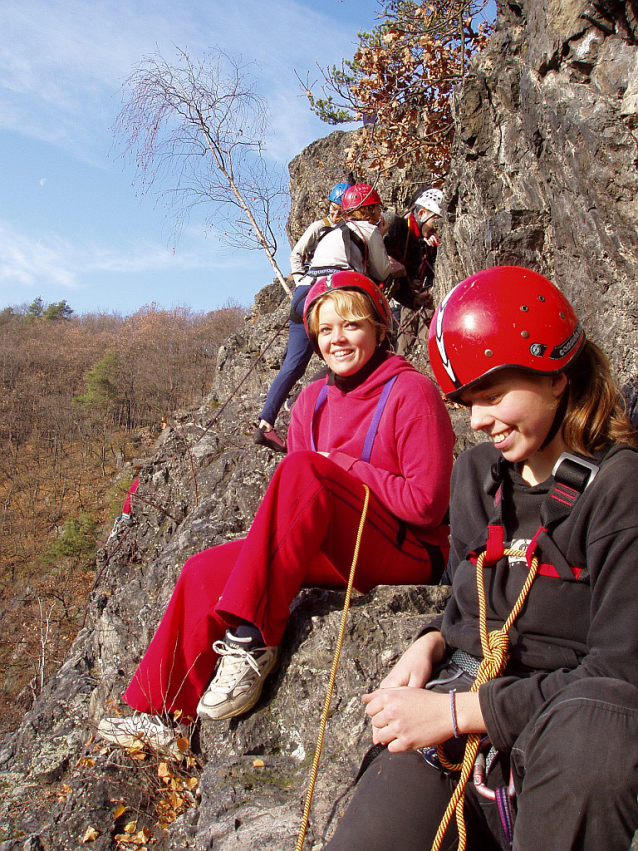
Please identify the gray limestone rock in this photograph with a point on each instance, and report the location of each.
(544, 166)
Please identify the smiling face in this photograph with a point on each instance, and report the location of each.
(428, 222)
(345, 344)
(334, 212)
(516, 411)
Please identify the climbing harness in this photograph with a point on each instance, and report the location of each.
(368, 443)
(503, 796)
(495, 646)
(333, 673)
(572, 475)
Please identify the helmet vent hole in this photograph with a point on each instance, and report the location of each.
(561, 314)
(541, 298)
(525, 334)
(488, 353)
(524, 308)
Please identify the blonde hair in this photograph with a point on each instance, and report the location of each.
(351, 305)
(595, 413)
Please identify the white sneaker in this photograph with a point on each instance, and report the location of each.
(140, 729)
(239, 679)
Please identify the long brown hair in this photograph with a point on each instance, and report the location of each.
(595, 412)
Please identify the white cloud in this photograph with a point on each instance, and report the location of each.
(54, 261)
(62, 65)
(62, 62)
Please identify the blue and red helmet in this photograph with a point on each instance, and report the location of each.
(337, 192)
(500, 318)
(348, 280)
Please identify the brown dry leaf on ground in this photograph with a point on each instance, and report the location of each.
(90, 835)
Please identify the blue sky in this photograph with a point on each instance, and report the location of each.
(72, 224)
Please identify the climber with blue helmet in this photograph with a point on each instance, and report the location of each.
(298, 351)
(336, 193)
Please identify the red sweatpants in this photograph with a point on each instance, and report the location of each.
(304, 533)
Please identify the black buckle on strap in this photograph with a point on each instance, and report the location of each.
(576, 471)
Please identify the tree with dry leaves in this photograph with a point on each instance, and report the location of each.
(400, 83)
(201, 126)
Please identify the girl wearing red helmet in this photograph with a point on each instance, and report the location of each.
(535, 660)
(367, 424)
(352, 243)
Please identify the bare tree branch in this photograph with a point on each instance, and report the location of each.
(201, 126)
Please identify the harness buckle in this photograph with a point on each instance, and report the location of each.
(589, 466)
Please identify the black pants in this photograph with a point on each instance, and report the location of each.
(576, 772)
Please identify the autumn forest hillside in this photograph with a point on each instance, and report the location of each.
(81, 397)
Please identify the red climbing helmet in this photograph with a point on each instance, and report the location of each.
(348, 280)
(359, 195)
(502, 317)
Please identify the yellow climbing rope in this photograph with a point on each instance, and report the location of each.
(495, 646)
(333, 673)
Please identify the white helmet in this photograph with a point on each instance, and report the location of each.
(430, 200)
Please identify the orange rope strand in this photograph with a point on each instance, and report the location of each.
(333, 673)
(495, 646)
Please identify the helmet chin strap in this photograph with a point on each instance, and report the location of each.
(559, 416)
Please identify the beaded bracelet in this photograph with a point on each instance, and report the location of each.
(455, 726)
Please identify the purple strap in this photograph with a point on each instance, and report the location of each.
(506, 813)
(374, 425)
(321, 398)
(376, 419)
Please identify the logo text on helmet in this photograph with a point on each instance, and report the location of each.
(562, 349)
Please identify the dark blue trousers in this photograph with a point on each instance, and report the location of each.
(296, 358)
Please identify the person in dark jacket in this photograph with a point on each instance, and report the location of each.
(414, 242)
(529, 680)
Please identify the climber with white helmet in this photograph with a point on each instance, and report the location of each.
(414, 241)
(427, 210)
(512, 720)
(374, 425)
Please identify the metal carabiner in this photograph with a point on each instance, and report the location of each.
(478, 776)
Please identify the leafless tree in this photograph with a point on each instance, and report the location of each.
(201, 126)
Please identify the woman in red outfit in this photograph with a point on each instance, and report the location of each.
(375, 421)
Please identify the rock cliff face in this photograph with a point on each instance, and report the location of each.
(544, 168)
(544, 174)
(201, 488)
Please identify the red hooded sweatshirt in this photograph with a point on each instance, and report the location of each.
(411, 461)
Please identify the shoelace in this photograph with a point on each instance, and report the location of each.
(151, 726)
(225, 676)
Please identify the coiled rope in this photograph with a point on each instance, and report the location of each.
(495, 646)
(333, 673)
